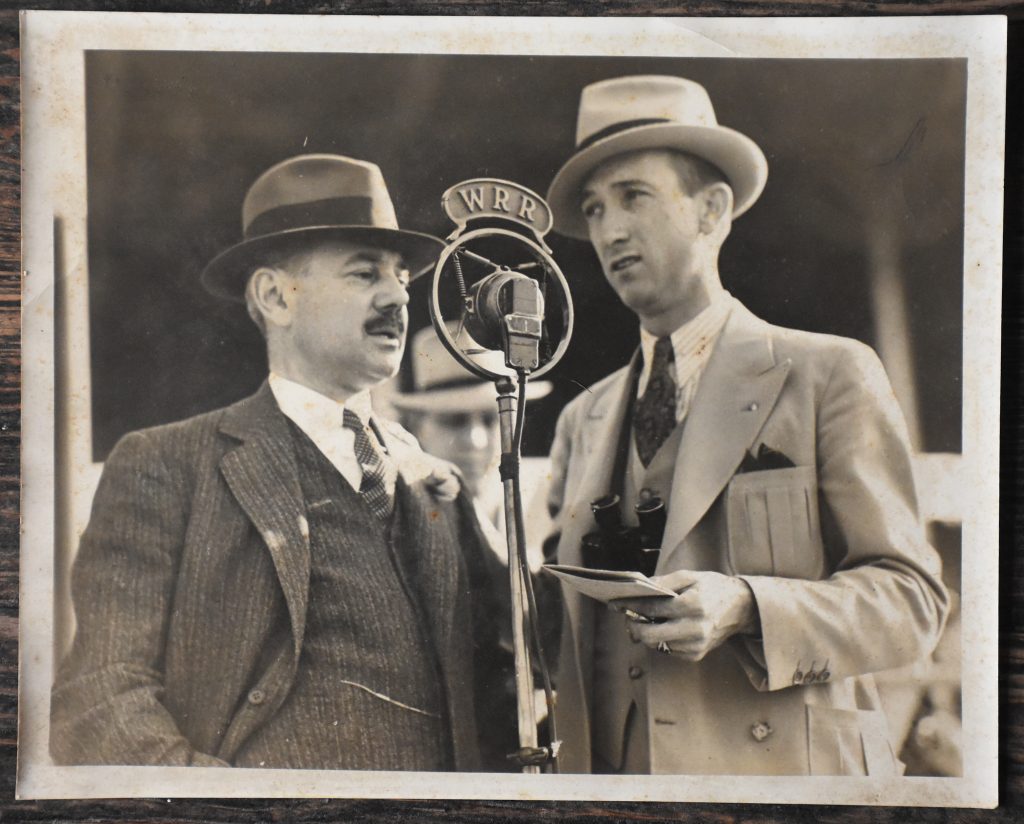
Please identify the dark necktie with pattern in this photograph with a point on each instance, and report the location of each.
(373, 489)
(654, 416)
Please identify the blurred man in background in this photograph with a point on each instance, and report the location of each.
(454, 416)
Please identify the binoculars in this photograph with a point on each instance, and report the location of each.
(622, 548)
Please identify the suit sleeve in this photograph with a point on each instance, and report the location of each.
(106, 702)
(884, 605)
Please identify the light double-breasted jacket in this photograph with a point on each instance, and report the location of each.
(831, 546)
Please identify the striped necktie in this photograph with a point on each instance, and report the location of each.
(373, 489)
(654, 417)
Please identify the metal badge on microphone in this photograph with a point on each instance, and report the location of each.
(489, 197)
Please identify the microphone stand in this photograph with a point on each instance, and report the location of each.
(509, 305)
(525, 708)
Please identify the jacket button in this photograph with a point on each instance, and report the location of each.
(635, 672)
(257, 696)
(761, 730)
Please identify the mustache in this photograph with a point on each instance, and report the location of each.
(392, 323)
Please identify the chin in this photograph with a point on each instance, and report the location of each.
(387, 365)
(639, 301)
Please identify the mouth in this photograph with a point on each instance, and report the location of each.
(620, 264)
(386, 330)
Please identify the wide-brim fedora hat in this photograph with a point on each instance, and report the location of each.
(629, 114)
(313, 197)
(441, 384)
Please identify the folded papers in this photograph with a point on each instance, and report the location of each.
(606, 585)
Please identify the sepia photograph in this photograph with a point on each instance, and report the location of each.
(511, 408)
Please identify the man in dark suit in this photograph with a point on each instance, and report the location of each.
(287, 582)
(791, 537)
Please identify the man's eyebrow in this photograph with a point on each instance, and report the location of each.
(374, 256)
(633, 181)
(618, 184)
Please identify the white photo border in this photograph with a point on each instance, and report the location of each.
(53, 91)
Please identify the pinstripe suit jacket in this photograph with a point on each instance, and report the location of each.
(191, 586)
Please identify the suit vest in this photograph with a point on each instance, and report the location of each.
(620, 666)
(368, 692)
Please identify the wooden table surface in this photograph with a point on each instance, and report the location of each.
(1012, 522)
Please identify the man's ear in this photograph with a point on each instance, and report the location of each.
(716, 206)
(270, 293)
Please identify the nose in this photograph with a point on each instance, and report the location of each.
(392, 292)
(478, 433)
(610, 230)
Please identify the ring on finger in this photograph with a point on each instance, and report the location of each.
(664, 647)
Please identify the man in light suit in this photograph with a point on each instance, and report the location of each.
(287, 582)
(792, 538)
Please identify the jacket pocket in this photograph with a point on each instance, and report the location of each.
(773, 523)
(849, 742)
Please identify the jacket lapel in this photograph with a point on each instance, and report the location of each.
(599, 439)
(263, 475)
(735, 395)
(430, 562)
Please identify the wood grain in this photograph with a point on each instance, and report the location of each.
(1012, 522)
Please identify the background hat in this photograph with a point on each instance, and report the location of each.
(310, 197)
(440, 384)
(629, 114)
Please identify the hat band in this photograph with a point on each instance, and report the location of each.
(333, 211)
(468, 382)
(615, 128)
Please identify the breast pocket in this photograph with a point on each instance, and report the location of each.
(773, 523)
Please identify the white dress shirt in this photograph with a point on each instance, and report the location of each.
(692, 343)
(322, 419)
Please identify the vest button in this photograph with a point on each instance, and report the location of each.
(257, 697)
(636, 672)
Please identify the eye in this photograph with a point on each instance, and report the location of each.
(454, 420)
(591, 209)
(632, 194)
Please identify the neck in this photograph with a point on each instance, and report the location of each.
(704, 291)
(295, 370)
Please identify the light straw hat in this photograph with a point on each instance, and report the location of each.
(628, 114)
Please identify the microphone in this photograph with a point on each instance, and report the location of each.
(497, 279)
(505, 310)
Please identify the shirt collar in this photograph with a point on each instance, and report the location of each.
(690, 336)
(314, 412)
